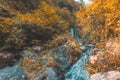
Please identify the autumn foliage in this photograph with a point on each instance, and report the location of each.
(32, 27)
(47, 23)
(99, 20)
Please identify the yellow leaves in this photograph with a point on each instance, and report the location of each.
(100, 16)
(111, 4)
(105, 62)
(5, 23)
(45, 16)
(35, 65)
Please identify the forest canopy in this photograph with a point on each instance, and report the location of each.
(32, 23)
(100, 20)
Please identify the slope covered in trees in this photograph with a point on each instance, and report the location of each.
(100, 25)
(25, 24)
(99, 21)
(31, 22)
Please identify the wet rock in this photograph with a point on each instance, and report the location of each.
(12, 73)
(62, 57)
(27, 53)
(40, 76)
(43, 62)
(37, 48)
(44, 57)
(110, 75)
(83, 48)
(51, 74)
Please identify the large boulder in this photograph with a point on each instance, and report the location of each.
(62, 57)
(50, 75)
(12, 73)
(112, 46)
(110, 75)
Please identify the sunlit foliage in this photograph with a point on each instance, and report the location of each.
(37, 25)
(107, 62)
(35, 65)
(99, 20)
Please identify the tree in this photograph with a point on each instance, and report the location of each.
(28, 28)
(99, 20)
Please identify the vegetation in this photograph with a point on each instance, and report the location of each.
(99, 21)
(36, 65)
(33, 27)
(47, 23)
(107, 63)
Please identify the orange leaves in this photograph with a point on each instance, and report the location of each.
(106, 62)
(102, 19)
(45, 16)
(99, 17)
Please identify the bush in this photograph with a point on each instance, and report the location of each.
(108, 63)
(32, 27)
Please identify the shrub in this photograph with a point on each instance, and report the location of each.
(108, 62)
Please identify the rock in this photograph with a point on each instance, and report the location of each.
(90, 46)
(112, 46)
(40, 76)
(83, 48)
(51, 74)
(43, 62)
(93, 59)
(12, 73)
(110, 75)
(62, 57)
(37, 48)
(44, 57)
(6, 59)
(27, 53)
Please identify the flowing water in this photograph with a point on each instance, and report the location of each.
(77, 71)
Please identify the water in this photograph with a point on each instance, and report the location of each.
(77, 71)
(74, 33)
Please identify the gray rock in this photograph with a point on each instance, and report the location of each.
(62, 56)
(51, 74)
(37, 48)
(27, 53)
(110, 75)
(40, 76)
(43, 62)
(12, 73)
(83, 48)
(44, 57)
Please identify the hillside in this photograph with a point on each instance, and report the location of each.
(72, 40)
